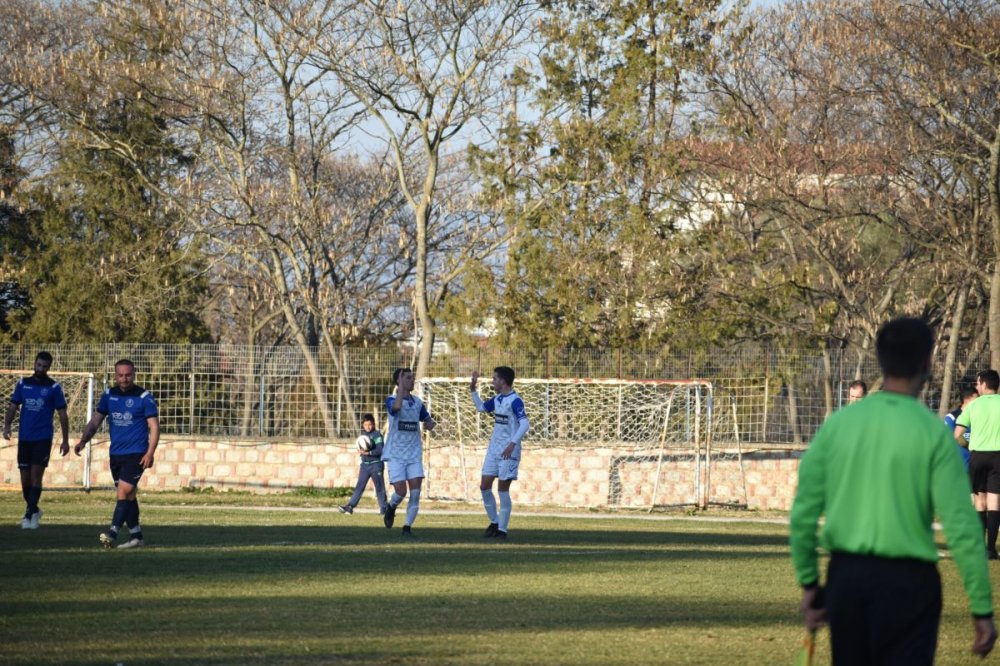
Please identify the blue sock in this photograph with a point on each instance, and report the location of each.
(118, 517)
(132, 515)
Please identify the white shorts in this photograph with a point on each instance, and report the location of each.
(401, 470)
(505, 470)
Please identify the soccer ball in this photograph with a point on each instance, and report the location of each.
(364, 443)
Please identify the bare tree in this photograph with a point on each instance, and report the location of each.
(425, 72)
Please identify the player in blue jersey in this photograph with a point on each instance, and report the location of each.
(403, 452)
(134, 430)
(968, 394)
(510, 424)
(38, 397)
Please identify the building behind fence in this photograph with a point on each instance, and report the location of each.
(233, 392)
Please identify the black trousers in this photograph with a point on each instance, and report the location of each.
(882, 611)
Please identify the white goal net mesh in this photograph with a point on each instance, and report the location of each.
(582, 413)
(653, 437)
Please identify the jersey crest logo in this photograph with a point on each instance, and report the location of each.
(45, 391)
(129, 403)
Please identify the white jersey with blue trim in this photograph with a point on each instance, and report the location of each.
(510, 422)
(402, 440)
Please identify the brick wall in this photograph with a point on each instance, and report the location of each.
(567, 477)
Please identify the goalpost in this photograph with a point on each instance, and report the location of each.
(643, 427)
(78, 387)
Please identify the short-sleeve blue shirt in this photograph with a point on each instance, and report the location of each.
(39, 399)
(127, 413)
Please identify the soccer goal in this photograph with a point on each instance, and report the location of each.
(78, 387)
(653, 437)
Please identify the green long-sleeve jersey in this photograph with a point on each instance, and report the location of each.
(879, 471)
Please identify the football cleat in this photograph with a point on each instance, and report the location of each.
(131, 543)
(106, 540)
(33, 522)
(347, 508)
(491, 531)
(390, 515)
(26, 523)
(407, 532)
(502, 536)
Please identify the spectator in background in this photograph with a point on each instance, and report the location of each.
(856, 390)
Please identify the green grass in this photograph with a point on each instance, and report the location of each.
(302, 585)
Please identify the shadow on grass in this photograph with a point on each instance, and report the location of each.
(359, 593)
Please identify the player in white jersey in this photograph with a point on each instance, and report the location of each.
(404, 449)
(510, 424)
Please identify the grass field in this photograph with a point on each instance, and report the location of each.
(240, 579)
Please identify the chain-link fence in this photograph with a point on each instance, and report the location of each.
(777, 397)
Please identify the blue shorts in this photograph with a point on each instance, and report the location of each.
(33, 453)
(127, 468)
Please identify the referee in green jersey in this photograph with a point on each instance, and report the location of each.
(879, 471)
(984, 458)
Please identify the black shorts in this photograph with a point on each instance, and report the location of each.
(33, 453)
(984, 471)
(127, 468)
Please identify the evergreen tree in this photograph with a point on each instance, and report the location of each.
(111, 261)
(593, 183)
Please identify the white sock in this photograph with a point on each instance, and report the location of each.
(395, 499)
(412, 507)
(505, 507)
(490, 502)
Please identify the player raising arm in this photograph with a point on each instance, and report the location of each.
(510, 424)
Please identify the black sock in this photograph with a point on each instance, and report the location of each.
(992, 527)
(34, 494)
(132, 514)
(118, 517)
(982, 518)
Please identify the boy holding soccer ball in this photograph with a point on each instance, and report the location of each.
(370, 445)
(503, 456)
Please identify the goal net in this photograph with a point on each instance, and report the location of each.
(654, 436)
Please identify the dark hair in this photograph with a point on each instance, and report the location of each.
(125, 361)
(368, 417)
(904, 347)
(505, 373)
(967, 392)
(396, 373)
(44, 356)
(857, 383)
(990, 378)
